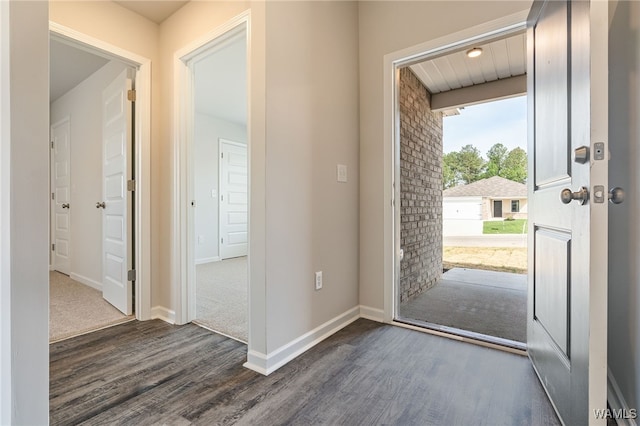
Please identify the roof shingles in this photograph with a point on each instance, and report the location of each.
(495, 187)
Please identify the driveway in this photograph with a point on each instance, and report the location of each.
(489, 240)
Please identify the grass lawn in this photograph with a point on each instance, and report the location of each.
(518, 226)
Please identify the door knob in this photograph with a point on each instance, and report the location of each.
(566, 196)
(100, 205)
(65, 206)
(616, 195)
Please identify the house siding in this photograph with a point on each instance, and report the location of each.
(420, 188)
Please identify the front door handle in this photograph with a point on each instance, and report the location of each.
(566, 195)
(100, 205)
(65, 206)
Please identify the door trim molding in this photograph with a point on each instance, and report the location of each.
(182, 236)
(510, 24)
(142, 196)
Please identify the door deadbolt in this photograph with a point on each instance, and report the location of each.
(616, 195)
(566, 195)
(100, 205)
(581, 154)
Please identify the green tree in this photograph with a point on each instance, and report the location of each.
(497, 155)
(515, 165)
(470, 164)
(449, 170)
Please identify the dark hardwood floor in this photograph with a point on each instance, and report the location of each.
(147, 373)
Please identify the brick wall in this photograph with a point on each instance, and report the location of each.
(420, 188)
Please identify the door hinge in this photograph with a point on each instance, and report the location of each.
(131, 275)
(131, 95)
(221, 240)
(222, 155)
(131, 185)
(51, 144)
(53, 247)
(53, 196)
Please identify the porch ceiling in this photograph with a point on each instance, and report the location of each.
(454, 79)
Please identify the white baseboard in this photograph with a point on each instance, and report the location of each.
(207, 260)
(164, 314)
(372, 314)
(267, 364)
(617, 402)
(86, 281)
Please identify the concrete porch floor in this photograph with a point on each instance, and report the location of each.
(485, 302)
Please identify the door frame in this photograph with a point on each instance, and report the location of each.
(183, 238)
(507, 25)
(142, 167)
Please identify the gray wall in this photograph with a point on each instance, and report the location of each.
(624, 228)
(312, 116)
(420, 188)
(24, 338)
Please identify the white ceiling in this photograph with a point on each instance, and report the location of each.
(69, 66)
(154, 10)
(221, 82)
(500, 59)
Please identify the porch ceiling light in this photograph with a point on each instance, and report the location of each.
(475, 52)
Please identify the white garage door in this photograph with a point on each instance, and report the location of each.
(462, 208)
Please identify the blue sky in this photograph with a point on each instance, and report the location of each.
(484, 125)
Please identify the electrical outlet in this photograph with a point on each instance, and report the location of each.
(318, 280)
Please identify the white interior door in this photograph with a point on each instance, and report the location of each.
(233, 199)
(567, 317)
(116, 217)
(61, 196)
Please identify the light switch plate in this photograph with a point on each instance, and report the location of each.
(341, 172)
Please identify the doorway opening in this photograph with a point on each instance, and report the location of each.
(98, 165)
(428, 86)
(482, 290)
(218, 170)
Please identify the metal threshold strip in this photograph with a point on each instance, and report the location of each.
(464, 335)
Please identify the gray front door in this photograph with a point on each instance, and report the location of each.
(497, 208)
(567, 310)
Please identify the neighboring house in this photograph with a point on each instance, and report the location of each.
(464, 207)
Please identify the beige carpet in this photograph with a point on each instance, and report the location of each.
(221, 294)
(75, 308)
